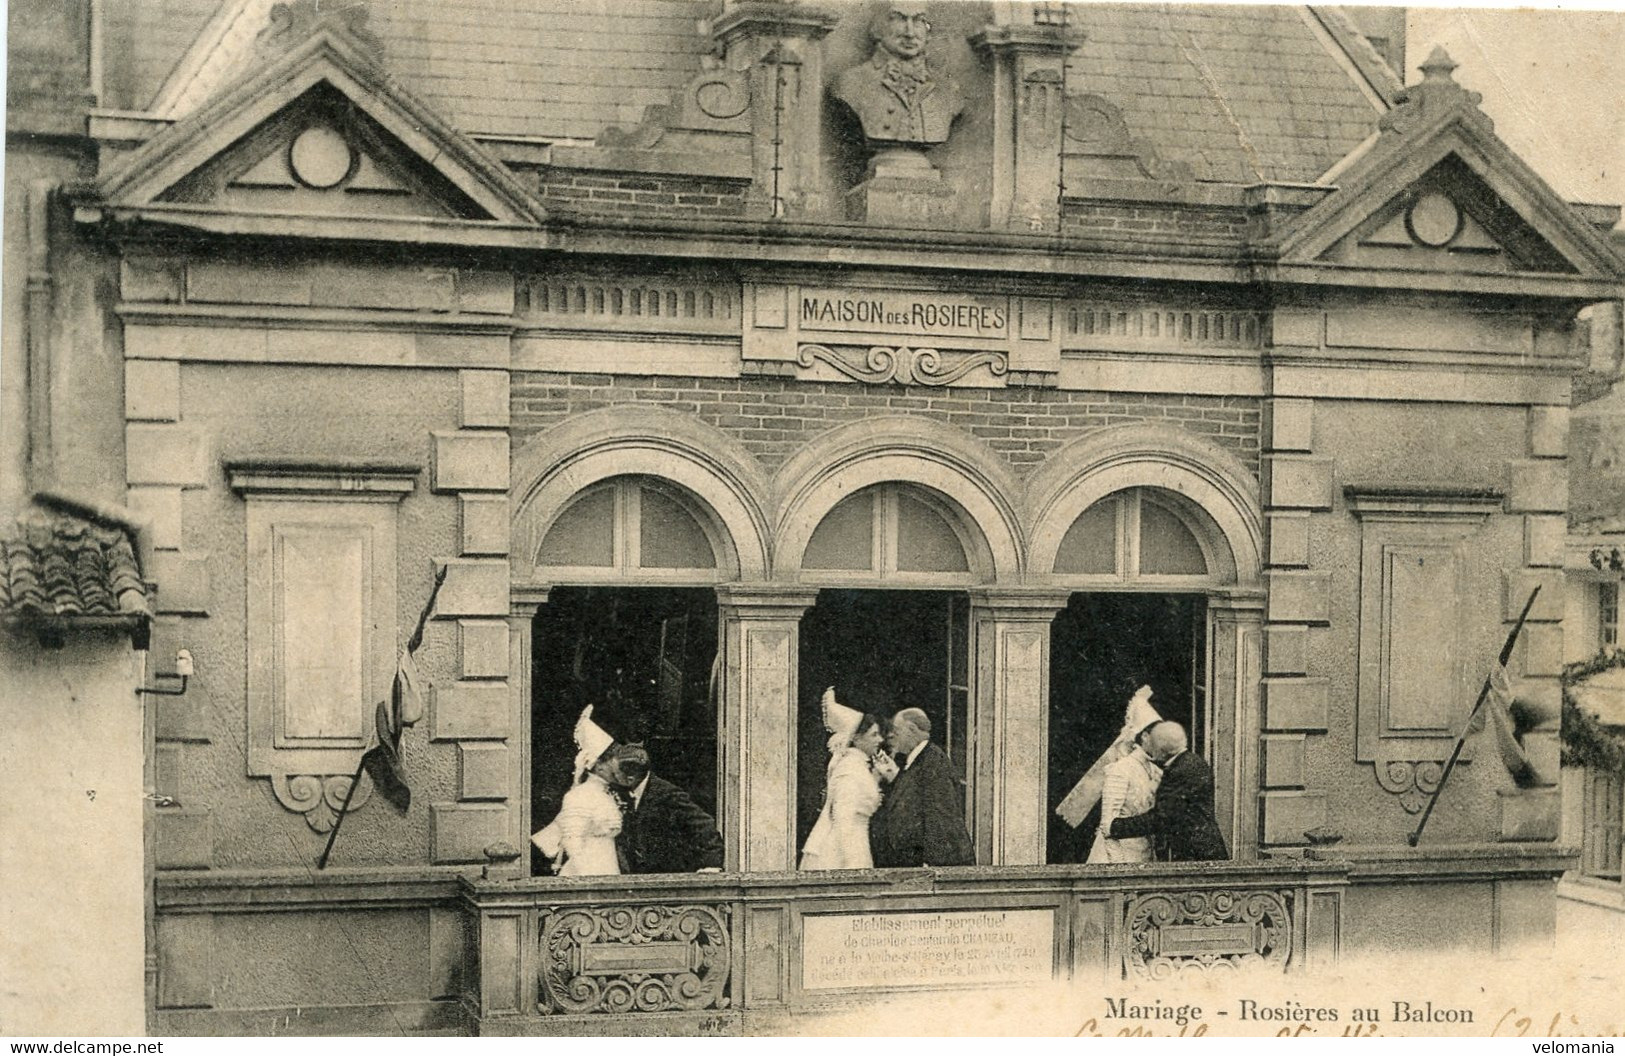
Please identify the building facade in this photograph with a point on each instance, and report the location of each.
(1593, 900)
(987, 358)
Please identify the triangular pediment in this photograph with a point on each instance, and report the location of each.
(1439, 191)
(1448, 220)
(321, 131)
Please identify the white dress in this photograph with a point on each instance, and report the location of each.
(840, 837)
(1130, 789)
(584, 831)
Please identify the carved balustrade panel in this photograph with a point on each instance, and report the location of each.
(1168, 934)
(623, 959)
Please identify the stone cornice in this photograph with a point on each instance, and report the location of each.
(963, 881)
(806, 244)
(1446, 863)
(1375, 501)
(767, 600)
(366, 481)
(778, 19)
(1036, 38)
(249, 890)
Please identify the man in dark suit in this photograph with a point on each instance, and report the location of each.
(922, 820)
(1181, 821)
(662, 829)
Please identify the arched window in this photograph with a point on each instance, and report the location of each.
(890, 532)
(629, 528)
(1140, 535)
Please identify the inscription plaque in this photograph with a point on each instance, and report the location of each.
(852, 951)
(902, 311)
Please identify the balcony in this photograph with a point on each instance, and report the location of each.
(730, 953)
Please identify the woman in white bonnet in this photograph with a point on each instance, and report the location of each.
(581, 839)
(1130, 786)
(840, 837)
(1123, 781)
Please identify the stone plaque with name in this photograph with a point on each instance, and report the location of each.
(919, 315)
(842, 951)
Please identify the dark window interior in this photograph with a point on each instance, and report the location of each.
(882, 650)
(644, 658)
(1104, 646)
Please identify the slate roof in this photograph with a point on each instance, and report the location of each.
(544, 68)
(1243, 94)
(144, 41)
(57, 568)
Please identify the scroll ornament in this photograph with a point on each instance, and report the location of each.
(619, 959)
(1203, 933)
(1414, 782)
(319, 797)
(903, 365)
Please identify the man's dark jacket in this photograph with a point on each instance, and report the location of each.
(922, 821)
(1181, 820)
(669, 833)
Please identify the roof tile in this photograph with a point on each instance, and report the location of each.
(55, 567)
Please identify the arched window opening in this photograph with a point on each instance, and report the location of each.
(629, 527)
(889, 531)
(1090, 546)
(1139, 534)
(583, 534)
(1167, 545)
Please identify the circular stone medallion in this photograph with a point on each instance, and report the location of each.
(1434, 220)
(320, 157)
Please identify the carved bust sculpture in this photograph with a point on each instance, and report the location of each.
(894, 94)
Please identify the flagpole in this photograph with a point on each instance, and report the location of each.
(396, 721)
(1483, 695)
(333, 833)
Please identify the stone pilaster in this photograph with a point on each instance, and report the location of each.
(1011, 642)
(1028, 65)
(761, 651)
(779, 46)
(1534, 488)
(1295, 707)
(1236, 716)
(483, 711)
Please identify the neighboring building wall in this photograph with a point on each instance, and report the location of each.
(55, 333)
(72, 808)
(73, 872)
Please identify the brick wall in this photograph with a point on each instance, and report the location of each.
(773, 417)
(571, 192)
(1121, 224)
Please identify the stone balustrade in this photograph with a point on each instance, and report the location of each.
(722, 953)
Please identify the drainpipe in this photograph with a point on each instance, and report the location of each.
(38, 298)
(96, 59)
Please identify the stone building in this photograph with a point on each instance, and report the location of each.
(1592, 895)
(725, 351)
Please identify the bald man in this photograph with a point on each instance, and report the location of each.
(922, 820)
(1181, 821)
